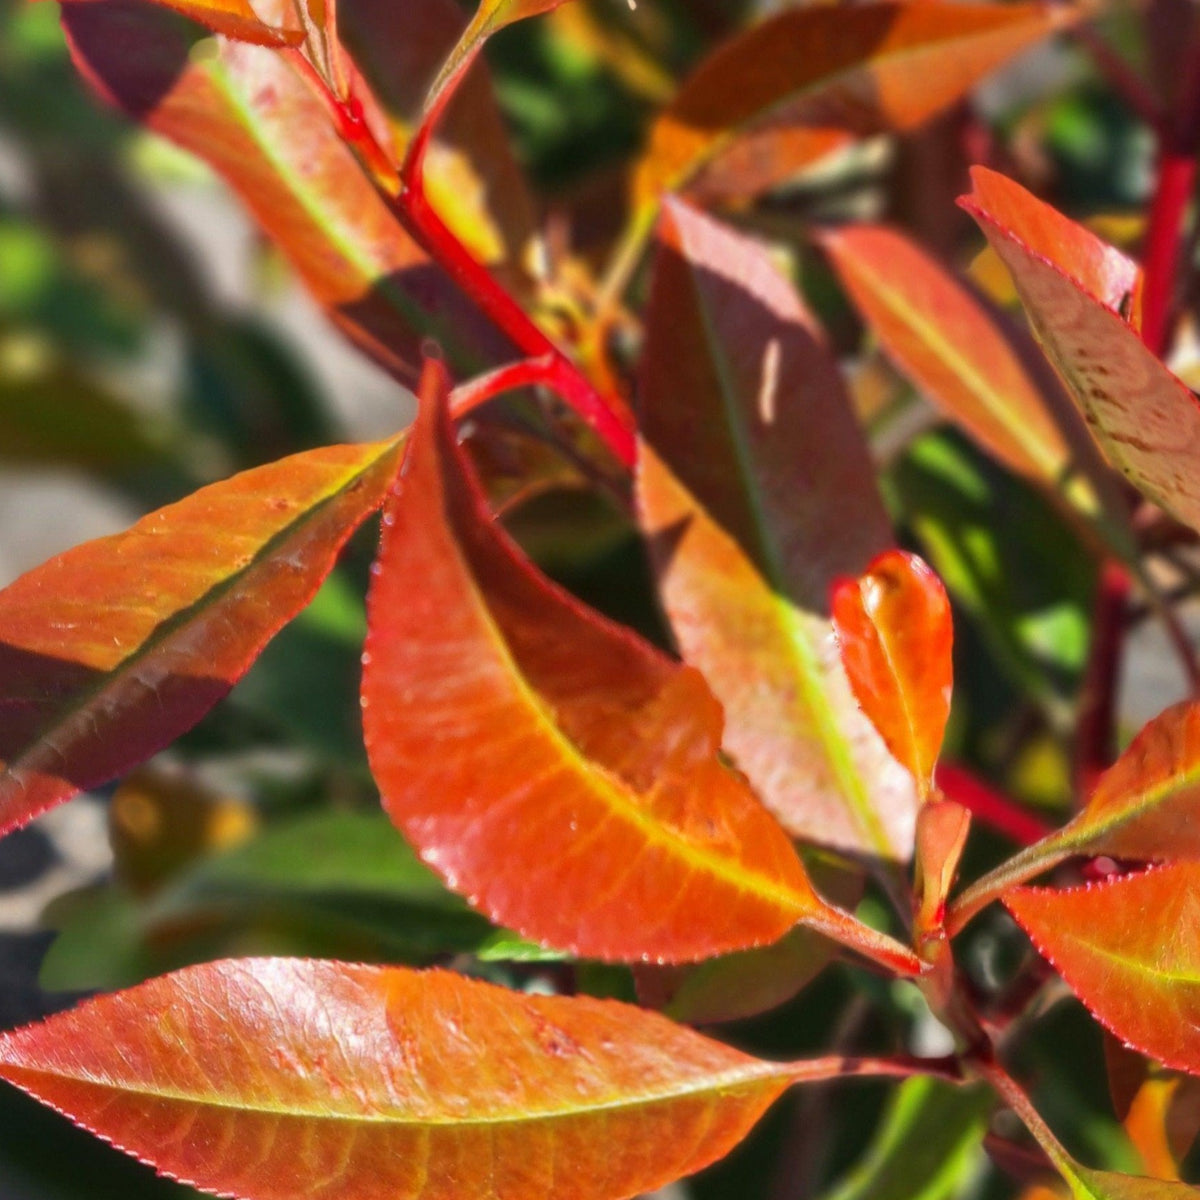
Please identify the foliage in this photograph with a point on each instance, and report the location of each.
(655, 682)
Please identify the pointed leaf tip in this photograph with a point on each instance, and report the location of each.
(113, 649)
(895, 633)
(1129, 948)
(269, 1079)
(550, 765)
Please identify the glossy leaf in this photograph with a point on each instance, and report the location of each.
(245, 111)
(894, 630)
(548, 764)
(113, 649)
(1143, 808)
(273, 1078)
(952, 348)
(1082, 299)
(490, 17)
(1129, 947)
(806, 81)
(756, 492)
(234, 19)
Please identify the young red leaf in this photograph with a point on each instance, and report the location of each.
(1129, 948)
(756, 491)
(1082, 299)
(246, 112)
(112, 650)
(894, 629)
(806, 81)
(557, 770)
(940, 335)
(233, 19)
(270, 1079)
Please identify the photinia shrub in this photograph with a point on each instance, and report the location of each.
(721, 805)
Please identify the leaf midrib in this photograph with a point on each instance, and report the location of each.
(735, 1078)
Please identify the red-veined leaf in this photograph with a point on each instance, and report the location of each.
(804, 82)
(1144, 808)
(940, 335)
(550, 765)
(756, 492)
(244, 110)
(232, 18)
(270, 1079)
(1082, 298)
(1129, 948)
(894, 630)
(112, 650)
(490, 16)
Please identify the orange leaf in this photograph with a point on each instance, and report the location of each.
(939, 334)
(270, 1079)
(808, 80)
(1129, 948)
(231, 18)
(894, 629)
(1082, 298)
(112, 650)
(244, 111)
(756, 491)
(550, 765)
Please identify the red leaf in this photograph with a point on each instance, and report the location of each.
(112, 650)
(557, 770)
(271, 1079)
(1130, 950)
(940, 335)
(244, 111)
(810, 79)
(1082, 298)
(232, 18)
(756, 491)
(895, 632)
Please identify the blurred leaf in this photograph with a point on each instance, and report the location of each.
(244, 111)
(740, 399)
(533, 751)
(1007, 558)
(235, 19)
(951, 346)
(807, 80)
(926, 1147)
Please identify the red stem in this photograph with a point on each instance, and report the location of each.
(551, 366)
(989, 806)
(1096, 730)
(1179, 142)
